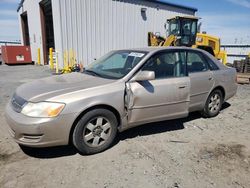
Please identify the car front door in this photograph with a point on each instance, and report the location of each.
(165, 97)
(201, 79)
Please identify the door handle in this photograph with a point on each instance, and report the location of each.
(182, 87)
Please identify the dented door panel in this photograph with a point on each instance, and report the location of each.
(157, 100)
(129, 97)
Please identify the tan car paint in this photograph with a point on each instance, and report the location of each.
(133, 102)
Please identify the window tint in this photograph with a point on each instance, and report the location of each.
(196, 62)
(120, 61)
(167, 65)
(114, 62)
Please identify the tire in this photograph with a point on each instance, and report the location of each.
(213, 104)
(95, 131)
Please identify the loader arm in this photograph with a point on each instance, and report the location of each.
(154, 40)
(170, 41)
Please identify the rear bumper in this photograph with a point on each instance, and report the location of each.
(230, 93)
(39, 132)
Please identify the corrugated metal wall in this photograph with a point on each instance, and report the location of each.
(93, 27)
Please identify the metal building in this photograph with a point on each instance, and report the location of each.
(236, 51)
(90, 28)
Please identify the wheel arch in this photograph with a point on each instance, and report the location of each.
(221, 89)
(100, 106)
(205, 112)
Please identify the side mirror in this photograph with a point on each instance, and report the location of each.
(144, 75)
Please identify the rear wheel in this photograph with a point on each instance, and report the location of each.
(213, 104)
(95, 131)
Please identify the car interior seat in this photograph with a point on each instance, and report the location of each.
(197, 66)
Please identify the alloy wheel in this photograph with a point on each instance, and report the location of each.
(214, 103)
(97, 131)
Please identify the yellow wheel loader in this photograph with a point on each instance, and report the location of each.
(183, 31)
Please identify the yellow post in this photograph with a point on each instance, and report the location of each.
(74, 58)
(38, 57)
(57, 69)
(66, 62)
(51, 61)
(70, 58)
(67, 59)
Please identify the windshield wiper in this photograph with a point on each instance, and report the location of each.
(93, 73)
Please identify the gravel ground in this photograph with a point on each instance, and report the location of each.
(189, 152)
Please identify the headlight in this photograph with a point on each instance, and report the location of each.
(42, 109)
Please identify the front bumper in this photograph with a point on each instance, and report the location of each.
(39, 132)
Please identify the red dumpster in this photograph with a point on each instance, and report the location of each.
(16, 54)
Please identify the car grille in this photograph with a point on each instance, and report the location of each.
(17, 103)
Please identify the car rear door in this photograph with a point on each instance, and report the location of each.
(201, 78)
(165, 97)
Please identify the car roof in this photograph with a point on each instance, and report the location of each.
(154, 49)
(157, 48)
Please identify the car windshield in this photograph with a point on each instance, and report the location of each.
(116, 64)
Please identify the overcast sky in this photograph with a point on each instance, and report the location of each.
(227, 19)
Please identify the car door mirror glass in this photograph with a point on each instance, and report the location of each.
(144, 75)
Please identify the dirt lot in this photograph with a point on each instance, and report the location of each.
(189, 152)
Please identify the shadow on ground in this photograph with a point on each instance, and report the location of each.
(163, 126)
(49, 152)
(143, 130)
(19, 64)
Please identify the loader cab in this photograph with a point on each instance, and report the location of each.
(184, 29)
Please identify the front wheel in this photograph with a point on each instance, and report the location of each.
(213, 104)
(95, 131)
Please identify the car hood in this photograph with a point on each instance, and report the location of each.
(45, 88)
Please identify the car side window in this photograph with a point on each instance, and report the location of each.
(167, 65)
(196, 62)
(212, 64)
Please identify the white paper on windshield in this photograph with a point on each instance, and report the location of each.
(136, 54)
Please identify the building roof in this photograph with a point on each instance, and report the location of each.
(157, 1)
(165, 2)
